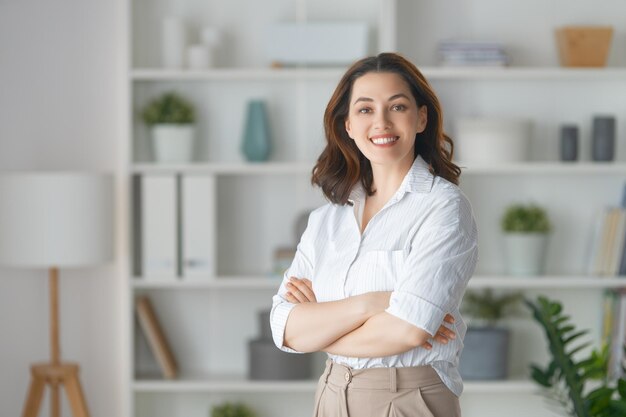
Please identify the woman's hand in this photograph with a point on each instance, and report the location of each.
(300, 290)
(444, 334)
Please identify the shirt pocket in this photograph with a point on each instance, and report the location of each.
(378, 270)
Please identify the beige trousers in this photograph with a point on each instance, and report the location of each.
(383, 392)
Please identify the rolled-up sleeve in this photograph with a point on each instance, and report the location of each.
(301, 267)
(441, 260)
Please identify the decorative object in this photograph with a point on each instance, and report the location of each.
(283, 257)
(211, 39)
(567, 376)
(584, 46)
(316, 43)
(256, 143)
(492, 140)
(55, 220)
(526, 229)
(485, 353)
(232, 410)
(198, 57)
(266, 362)
(171, 119)
(569, 143)
(302, 222)
(603, 139)
(174, 38)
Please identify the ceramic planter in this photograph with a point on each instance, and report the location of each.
(485, 353)
(173, 143)
(525, 253)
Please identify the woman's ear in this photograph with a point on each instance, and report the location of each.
(348, 127)
(422, 118)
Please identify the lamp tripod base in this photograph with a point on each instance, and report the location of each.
(55, 375)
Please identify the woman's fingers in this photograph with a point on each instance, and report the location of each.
(449, 318)
(300, 290)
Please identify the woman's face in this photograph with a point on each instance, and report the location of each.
(384, 118)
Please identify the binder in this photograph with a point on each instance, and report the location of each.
(198, 227)
(159, 231)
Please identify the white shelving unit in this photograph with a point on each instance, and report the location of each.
(210, 319)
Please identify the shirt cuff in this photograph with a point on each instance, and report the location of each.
(278, 322)
(416, 310)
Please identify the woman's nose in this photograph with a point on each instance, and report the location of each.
(381, 121)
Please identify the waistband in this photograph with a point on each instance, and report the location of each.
(390, 379)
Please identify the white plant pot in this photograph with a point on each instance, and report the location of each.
(173, 143)
(525, 253)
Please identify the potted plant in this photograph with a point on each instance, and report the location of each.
(171, 121)
(526, 229)
(232, 410)
(486, 345)
(566, 377)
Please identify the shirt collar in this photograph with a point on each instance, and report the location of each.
(419, 179)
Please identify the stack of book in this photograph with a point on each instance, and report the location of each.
(608, 247)
(461, 53)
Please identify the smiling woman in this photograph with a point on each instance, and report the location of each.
(380, 270)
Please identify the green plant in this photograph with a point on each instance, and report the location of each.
(525, 218)
(565, 378)
(232, 410)
(489, 308)
(168, 108)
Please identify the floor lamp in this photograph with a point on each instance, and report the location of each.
(55, 220)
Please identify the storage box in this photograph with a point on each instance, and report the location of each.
(492, 140)
(320, 43)
(584, 46)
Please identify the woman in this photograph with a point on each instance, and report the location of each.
(380, 271)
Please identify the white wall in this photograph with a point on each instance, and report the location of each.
(62, 107)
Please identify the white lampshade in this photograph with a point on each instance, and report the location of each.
(55, 219)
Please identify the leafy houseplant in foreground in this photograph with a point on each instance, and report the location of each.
(485, 354)
(526, 229)
(565, 378)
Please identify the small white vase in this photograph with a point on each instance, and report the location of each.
(173, 143)
(525, 253)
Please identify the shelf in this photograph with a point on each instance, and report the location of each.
(237, 74)
(478, 281)
(546, 168)
(235, 168)
(200, 383)
(333, 74)
(289, 168)
(219, 283)
(548, 281)
(233, 384)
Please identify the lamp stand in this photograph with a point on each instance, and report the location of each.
(55, 373)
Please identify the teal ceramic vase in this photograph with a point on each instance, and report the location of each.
(256, 144)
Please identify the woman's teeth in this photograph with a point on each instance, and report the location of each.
(383, 141)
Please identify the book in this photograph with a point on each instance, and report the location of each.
(155, 336)
(618, 244)
(599, 236)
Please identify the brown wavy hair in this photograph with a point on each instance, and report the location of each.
(341, 164)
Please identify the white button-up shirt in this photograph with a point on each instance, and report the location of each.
(422, 246)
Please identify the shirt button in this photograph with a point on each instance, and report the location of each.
(347, 376)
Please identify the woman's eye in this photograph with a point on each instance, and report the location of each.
(399, 107)
(364, 110)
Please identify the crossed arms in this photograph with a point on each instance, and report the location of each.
(356, 326)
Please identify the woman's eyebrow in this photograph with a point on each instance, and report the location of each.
(395, 96)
